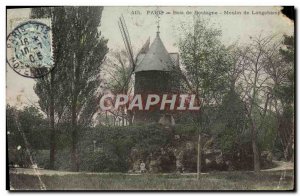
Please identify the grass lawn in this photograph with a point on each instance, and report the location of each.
(236, 180)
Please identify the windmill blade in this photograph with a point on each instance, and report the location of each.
(126, 31)
(145, 47)
(123, 37)
(126, 39)
(126, 43)
(128, 47)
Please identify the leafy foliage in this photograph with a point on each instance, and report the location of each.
(232, 123)
(204, 59)
(71, 91)
(114, 144)
(33, 125)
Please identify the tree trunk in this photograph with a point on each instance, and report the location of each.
(256, 156)
(52, 127)
(199, 158)
(256, 160)
(130, 117)
(74, 152)
(52, 137)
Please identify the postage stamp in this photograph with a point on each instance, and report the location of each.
(29, 49)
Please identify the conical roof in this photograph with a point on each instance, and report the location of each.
(157, 58)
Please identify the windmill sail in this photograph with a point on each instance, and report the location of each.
(126, 39)
(145, 47)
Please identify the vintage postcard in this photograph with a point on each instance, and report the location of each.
(150, 98)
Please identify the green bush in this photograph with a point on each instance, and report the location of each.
(113, 145)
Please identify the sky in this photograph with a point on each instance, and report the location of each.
(142, 24)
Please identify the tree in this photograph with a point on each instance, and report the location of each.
(255, 84)
(231, 122)
(50, 88)
(205, 65)
(26, 131)
(280, 68)
(119, 71)
(72, 90)
(288, 99)
(204, 59)
(85, 50)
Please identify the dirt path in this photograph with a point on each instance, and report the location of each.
(281, 165)
(30, 171)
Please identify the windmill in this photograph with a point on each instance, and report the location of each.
(128, 46)
(152, 68)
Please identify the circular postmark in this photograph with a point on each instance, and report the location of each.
(29, 50)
